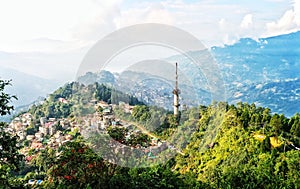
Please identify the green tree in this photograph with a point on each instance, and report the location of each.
(5, 99)
(160, 176)
(117, 133)
(10, 158)
(77, 165)
(141, 113)
(295, 125)
(277, 123)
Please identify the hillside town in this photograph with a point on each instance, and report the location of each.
(54, 132)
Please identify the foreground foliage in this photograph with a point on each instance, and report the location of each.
(10, 158)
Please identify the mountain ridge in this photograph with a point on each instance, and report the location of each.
(273, 63)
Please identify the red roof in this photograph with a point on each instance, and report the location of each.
(36, 145)
(28, 158)
(48, 124)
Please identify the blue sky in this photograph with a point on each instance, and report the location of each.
(33, 30)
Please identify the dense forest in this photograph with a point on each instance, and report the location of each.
(223, 146)
(79, 99)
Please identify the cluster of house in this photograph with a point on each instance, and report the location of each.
(106, 117)
(19, 124)
(47, 133)
(51, 132)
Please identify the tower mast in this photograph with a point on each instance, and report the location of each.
(176, 93)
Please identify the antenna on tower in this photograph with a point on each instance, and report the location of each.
(176, 93)
(176, 76)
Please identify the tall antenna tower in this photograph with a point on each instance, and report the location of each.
(176, 93)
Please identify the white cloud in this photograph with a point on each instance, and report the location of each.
(158, 14)
(23, 21)
(247, 21)
(289, 22)
(102, 22)
(297, 11)
(223, 24)
(146, 13)
(199, 18)
(81, 23)
(228, 31)
(276, 1)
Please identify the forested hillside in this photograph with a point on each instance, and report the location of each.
(252, 149)
(229, 146)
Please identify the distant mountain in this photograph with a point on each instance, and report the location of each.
(102, 77)
(279, 96)
(27, 88)
(265, 72)
(268, 59)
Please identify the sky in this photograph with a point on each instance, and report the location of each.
(49, 38)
